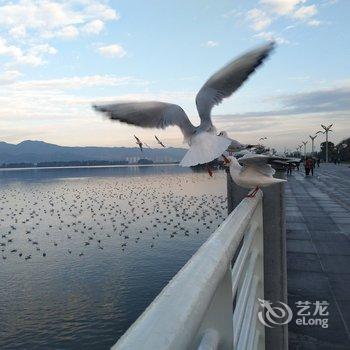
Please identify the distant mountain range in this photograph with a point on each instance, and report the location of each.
(39, 151)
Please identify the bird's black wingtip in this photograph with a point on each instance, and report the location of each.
(95, 107)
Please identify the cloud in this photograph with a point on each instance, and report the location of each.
(9, 77)
(40, 21)
(18, 32)
(314, 23)
(259, 19)
(270, 36)
(211, 43)
(41, 16)
(62, 111)
(69, 32)
(77, 82)
(318, 101)
(268, 11)
(298, 115)
(282, 7)
(112, 51)
(32, 56)
(93, 27)
(305, 12)
(322, 101)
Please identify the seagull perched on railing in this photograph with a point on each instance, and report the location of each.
(204, 144)
(255, 172)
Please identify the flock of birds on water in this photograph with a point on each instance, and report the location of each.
(73, 217)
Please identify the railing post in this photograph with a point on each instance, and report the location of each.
(275, 264)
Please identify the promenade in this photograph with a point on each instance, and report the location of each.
(318, 254)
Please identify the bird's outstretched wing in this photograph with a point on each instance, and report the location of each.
(160, 142)
(228, 79)
(148, 114)
(259, 161)
(137, 139)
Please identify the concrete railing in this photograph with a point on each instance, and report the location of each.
(212, 302)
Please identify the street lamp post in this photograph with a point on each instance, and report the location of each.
(312, 143)
(326, 130)
(300, 147)
(304, 143)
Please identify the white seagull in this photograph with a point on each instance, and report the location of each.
(204, 144)
(255, 172)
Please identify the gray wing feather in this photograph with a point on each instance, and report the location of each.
(259, 162)
(148, 114)
(228, 79)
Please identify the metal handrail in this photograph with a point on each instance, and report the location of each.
(195, 309)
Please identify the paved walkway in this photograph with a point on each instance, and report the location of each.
(318, 253)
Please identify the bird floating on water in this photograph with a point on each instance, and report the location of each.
(255, 172)
(204, 144)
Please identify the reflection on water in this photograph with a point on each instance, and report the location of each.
(84, 251)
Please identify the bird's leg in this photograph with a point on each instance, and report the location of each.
(253, 193)
(210, 172)
(226, 160)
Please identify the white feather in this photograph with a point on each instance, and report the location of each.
(204, 148)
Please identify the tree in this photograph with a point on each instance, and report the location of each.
(343, 149)
(332, 152)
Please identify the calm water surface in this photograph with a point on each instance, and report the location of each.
(85, 250)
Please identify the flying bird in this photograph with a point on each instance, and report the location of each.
(160, 142)
(256, 172)
(139, 143)
(263, 138)
(204, 144)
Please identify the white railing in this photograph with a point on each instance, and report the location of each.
(212, 302)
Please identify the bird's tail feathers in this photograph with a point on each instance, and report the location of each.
(204, 148)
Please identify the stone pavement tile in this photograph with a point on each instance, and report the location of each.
(335, 263)
(299, 226)
(319, 226)
(340, 284)
(343, 220)
(328, 236)
(321, 219)
(304, 342)
(339, 214)
(297, 234)
(300, 246)
(303, 262)
(334, 334)
(332, 248)
(344, 307)
(344, 228)
(305, 284)
(315, 214)
(294, 218)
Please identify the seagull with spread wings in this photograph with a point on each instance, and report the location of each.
(204, 144)
(160, 142)
(255, 171)
(139, 143)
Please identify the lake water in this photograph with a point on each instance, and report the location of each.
(85, 250)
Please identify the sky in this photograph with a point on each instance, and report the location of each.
(59, 57)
